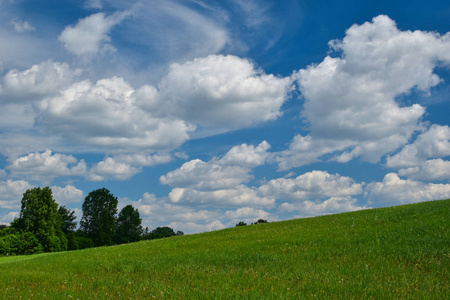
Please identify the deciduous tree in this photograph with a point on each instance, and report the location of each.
(128, 228)
(39, 216)
(99, 217)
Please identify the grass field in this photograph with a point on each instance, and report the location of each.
(396, 252)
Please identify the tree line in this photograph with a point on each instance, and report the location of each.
(44, 226)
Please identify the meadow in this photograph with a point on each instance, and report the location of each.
(395, 252)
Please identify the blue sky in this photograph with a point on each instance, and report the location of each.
(202, 114)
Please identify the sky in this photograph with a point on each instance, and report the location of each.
(202, 114)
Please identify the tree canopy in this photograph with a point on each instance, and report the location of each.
(128, 227)
(99, 217)
(39, 216)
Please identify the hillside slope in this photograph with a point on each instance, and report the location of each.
(396, 252)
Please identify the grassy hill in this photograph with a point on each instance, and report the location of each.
(396, 252)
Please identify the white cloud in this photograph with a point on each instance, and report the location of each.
(157, 212)
(191, 227)
(246, 214)
(205, 176)
(142, 160)
(433, 143)
(351, 98)
(305, 150)
(111, 169)
(45, 167)
(332, 205)
(41, 80)
(434, 169)
(219, 181)
(106, 116)
(395, 191)
(11, 192)
(90, 34)
(237, 196)
(22, 26)
(67, 195)
(124, 167)
(247, 155)
(216, 92)
(222, 91)
(310, 186)
(8, 218)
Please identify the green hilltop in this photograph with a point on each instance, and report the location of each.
(395, 252)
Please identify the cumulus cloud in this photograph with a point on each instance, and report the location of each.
(311, 185)
(11, 192)
(247, 155)
(223, 91)
(433, 143)
(240, 195)
(201, 175)
(67, 195)
(46, 166)
(414, 160)
(246, 214)
(350, 99)
(111, 169)
(124, 166)
(434, 169)
(305, 150)
(9, 217)
(105, 115)
(332, 205)
(41, 80)
(160, 212)
(395, 191)
(191, 227)
(156, 212)
(220, 180)
(90, 34)
(137, 159)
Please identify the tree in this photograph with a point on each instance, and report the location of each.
(39, 216)
(260, 221)
(99, 217)
(128, 228)
(162, 232)
(68, 217)
(241, 223)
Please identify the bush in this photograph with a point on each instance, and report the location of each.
(19, 244)
(82, 241)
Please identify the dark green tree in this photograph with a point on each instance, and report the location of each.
(99, 217)
(68, 217)
(128, 226)
(241, 223)
(260, 221)
(68, 224)
(39, 216)
(162, 232)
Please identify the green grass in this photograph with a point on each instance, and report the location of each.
(396, 252)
